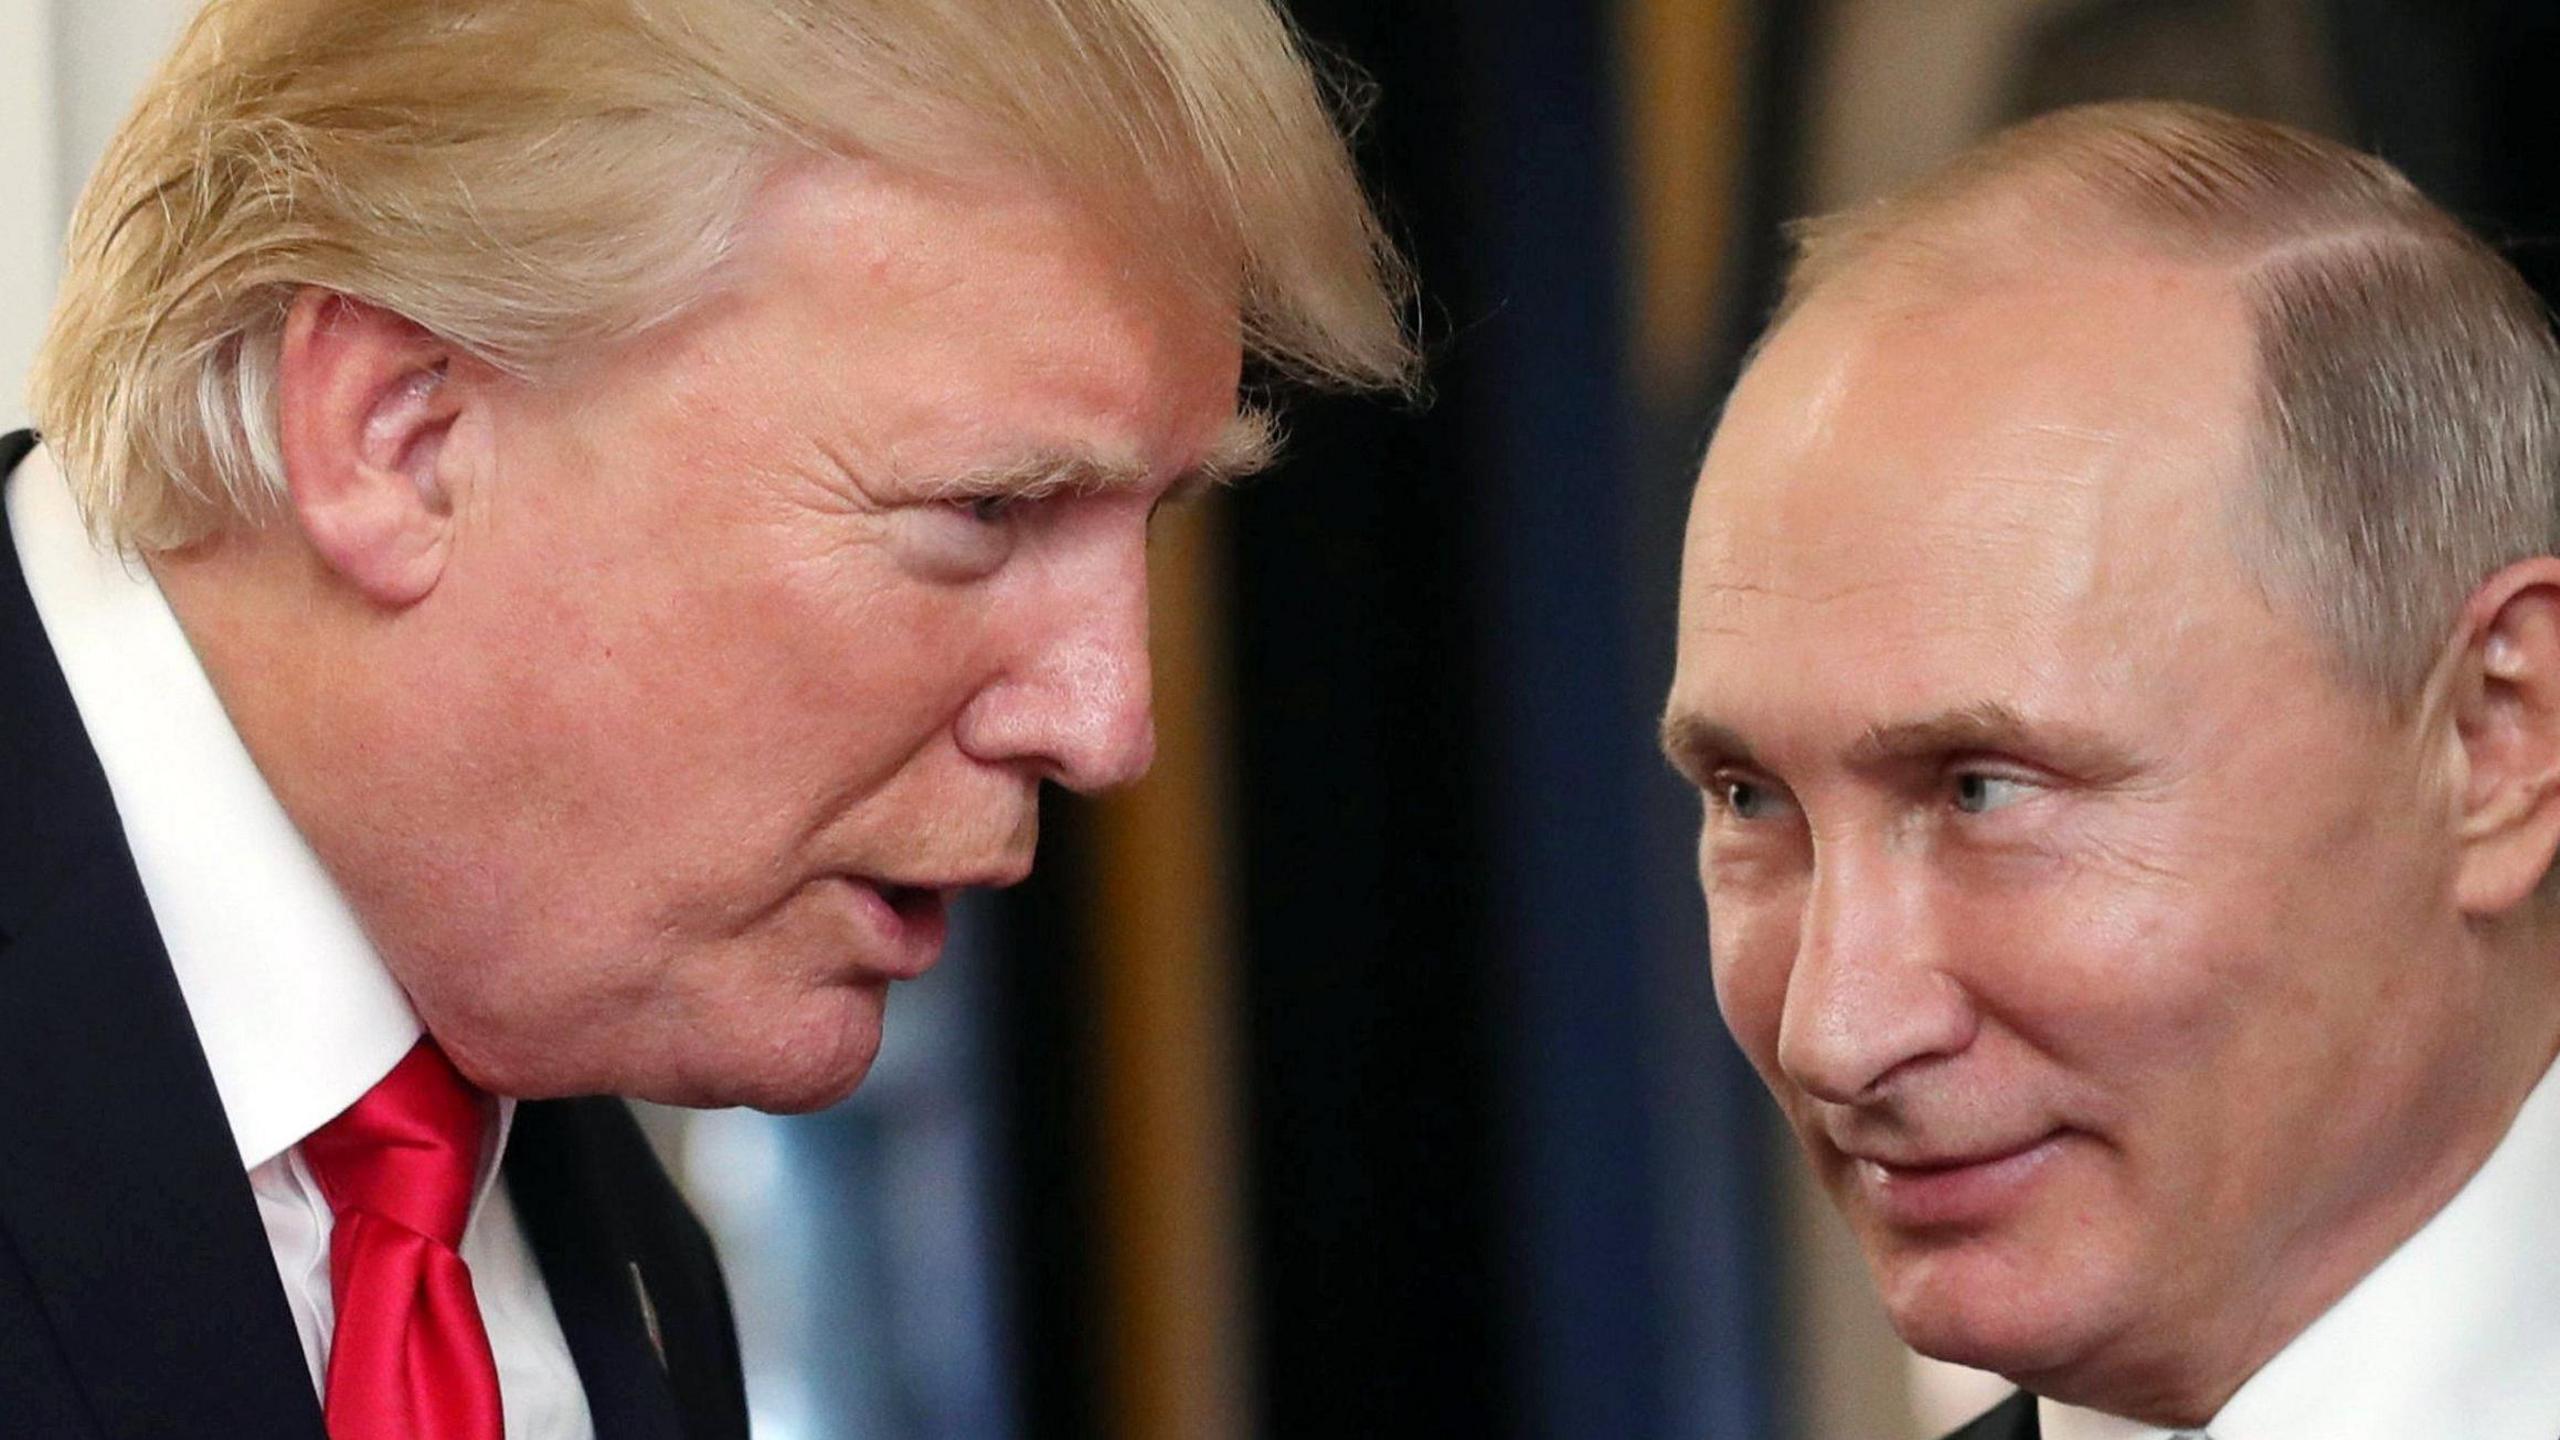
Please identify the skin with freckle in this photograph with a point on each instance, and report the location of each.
(788, 602)
(2036, 834)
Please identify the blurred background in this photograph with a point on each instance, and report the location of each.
(1358, 1075)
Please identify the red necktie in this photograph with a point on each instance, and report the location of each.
(410, 1360)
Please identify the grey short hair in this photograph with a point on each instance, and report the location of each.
(2408, 439)
(535, 179)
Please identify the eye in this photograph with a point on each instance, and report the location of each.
(986, 509)
(1740, 797)
(960, 537)
(1979, 793)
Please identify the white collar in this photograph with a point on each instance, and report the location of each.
(2455, 1332)
(297, 1016)
(2070, 1422)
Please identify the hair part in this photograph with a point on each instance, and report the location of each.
(2408, 430)
(537, 180)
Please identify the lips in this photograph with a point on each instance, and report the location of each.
(912, 921)
(910, 916)
(1954, 1189)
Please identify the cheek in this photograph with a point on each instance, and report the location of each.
(801, 651)
(2109, 962)
(2180, 979)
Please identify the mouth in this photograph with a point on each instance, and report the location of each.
(909, 916)
(1953, 1189)
(915, 904)
(913, 921)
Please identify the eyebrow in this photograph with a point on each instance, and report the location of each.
(1246, 445)
(1692, 742)
(2078, 750)
(1986, 725)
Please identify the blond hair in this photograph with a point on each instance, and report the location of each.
(535, 179)
(2408, 439)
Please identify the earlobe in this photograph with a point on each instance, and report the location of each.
(2507, 724)
(364, 405)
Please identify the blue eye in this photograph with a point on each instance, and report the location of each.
(1979, 794)
(986, 509)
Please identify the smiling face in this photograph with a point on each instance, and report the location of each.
(2097, 942)
(756, 641)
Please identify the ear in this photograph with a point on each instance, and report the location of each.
(2505, 693)
(364, 404)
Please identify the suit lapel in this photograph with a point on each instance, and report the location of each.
(600, 1292)
(119, 1186)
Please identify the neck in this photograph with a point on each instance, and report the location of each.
(297, 662)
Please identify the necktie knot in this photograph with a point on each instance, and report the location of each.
(409, 1358)
(408, 1151)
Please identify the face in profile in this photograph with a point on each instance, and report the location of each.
(767, 630)
(2083, 923)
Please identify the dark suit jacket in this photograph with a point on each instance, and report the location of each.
(138, 1296)
(2011, 1419)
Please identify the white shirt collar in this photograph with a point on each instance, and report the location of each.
(2456, 1332)
(2069, 1422)
(296, 1013)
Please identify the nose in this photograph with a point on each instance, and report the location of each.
(1077, 703)
(1869, 994)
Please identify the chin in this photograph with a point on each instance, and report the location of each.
(803, 1059)
(1982, 1311)
(720, 1083)
(797, 1094)
(1956, 1335)
(779, 1074)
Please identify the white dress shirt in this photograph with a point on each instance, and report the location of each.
(2457, 1333)
(297, 1016)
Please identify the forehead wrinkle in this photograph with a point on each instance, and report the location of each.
(1712, 590)
(1834, 539)
(2016, 488)
(2081, 434)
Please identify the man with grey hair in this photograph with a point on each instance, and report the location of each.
(2120, 658)
(567, 531)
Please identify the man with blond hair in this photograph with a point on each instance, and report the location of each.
(566, 532)
(2120, 658)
